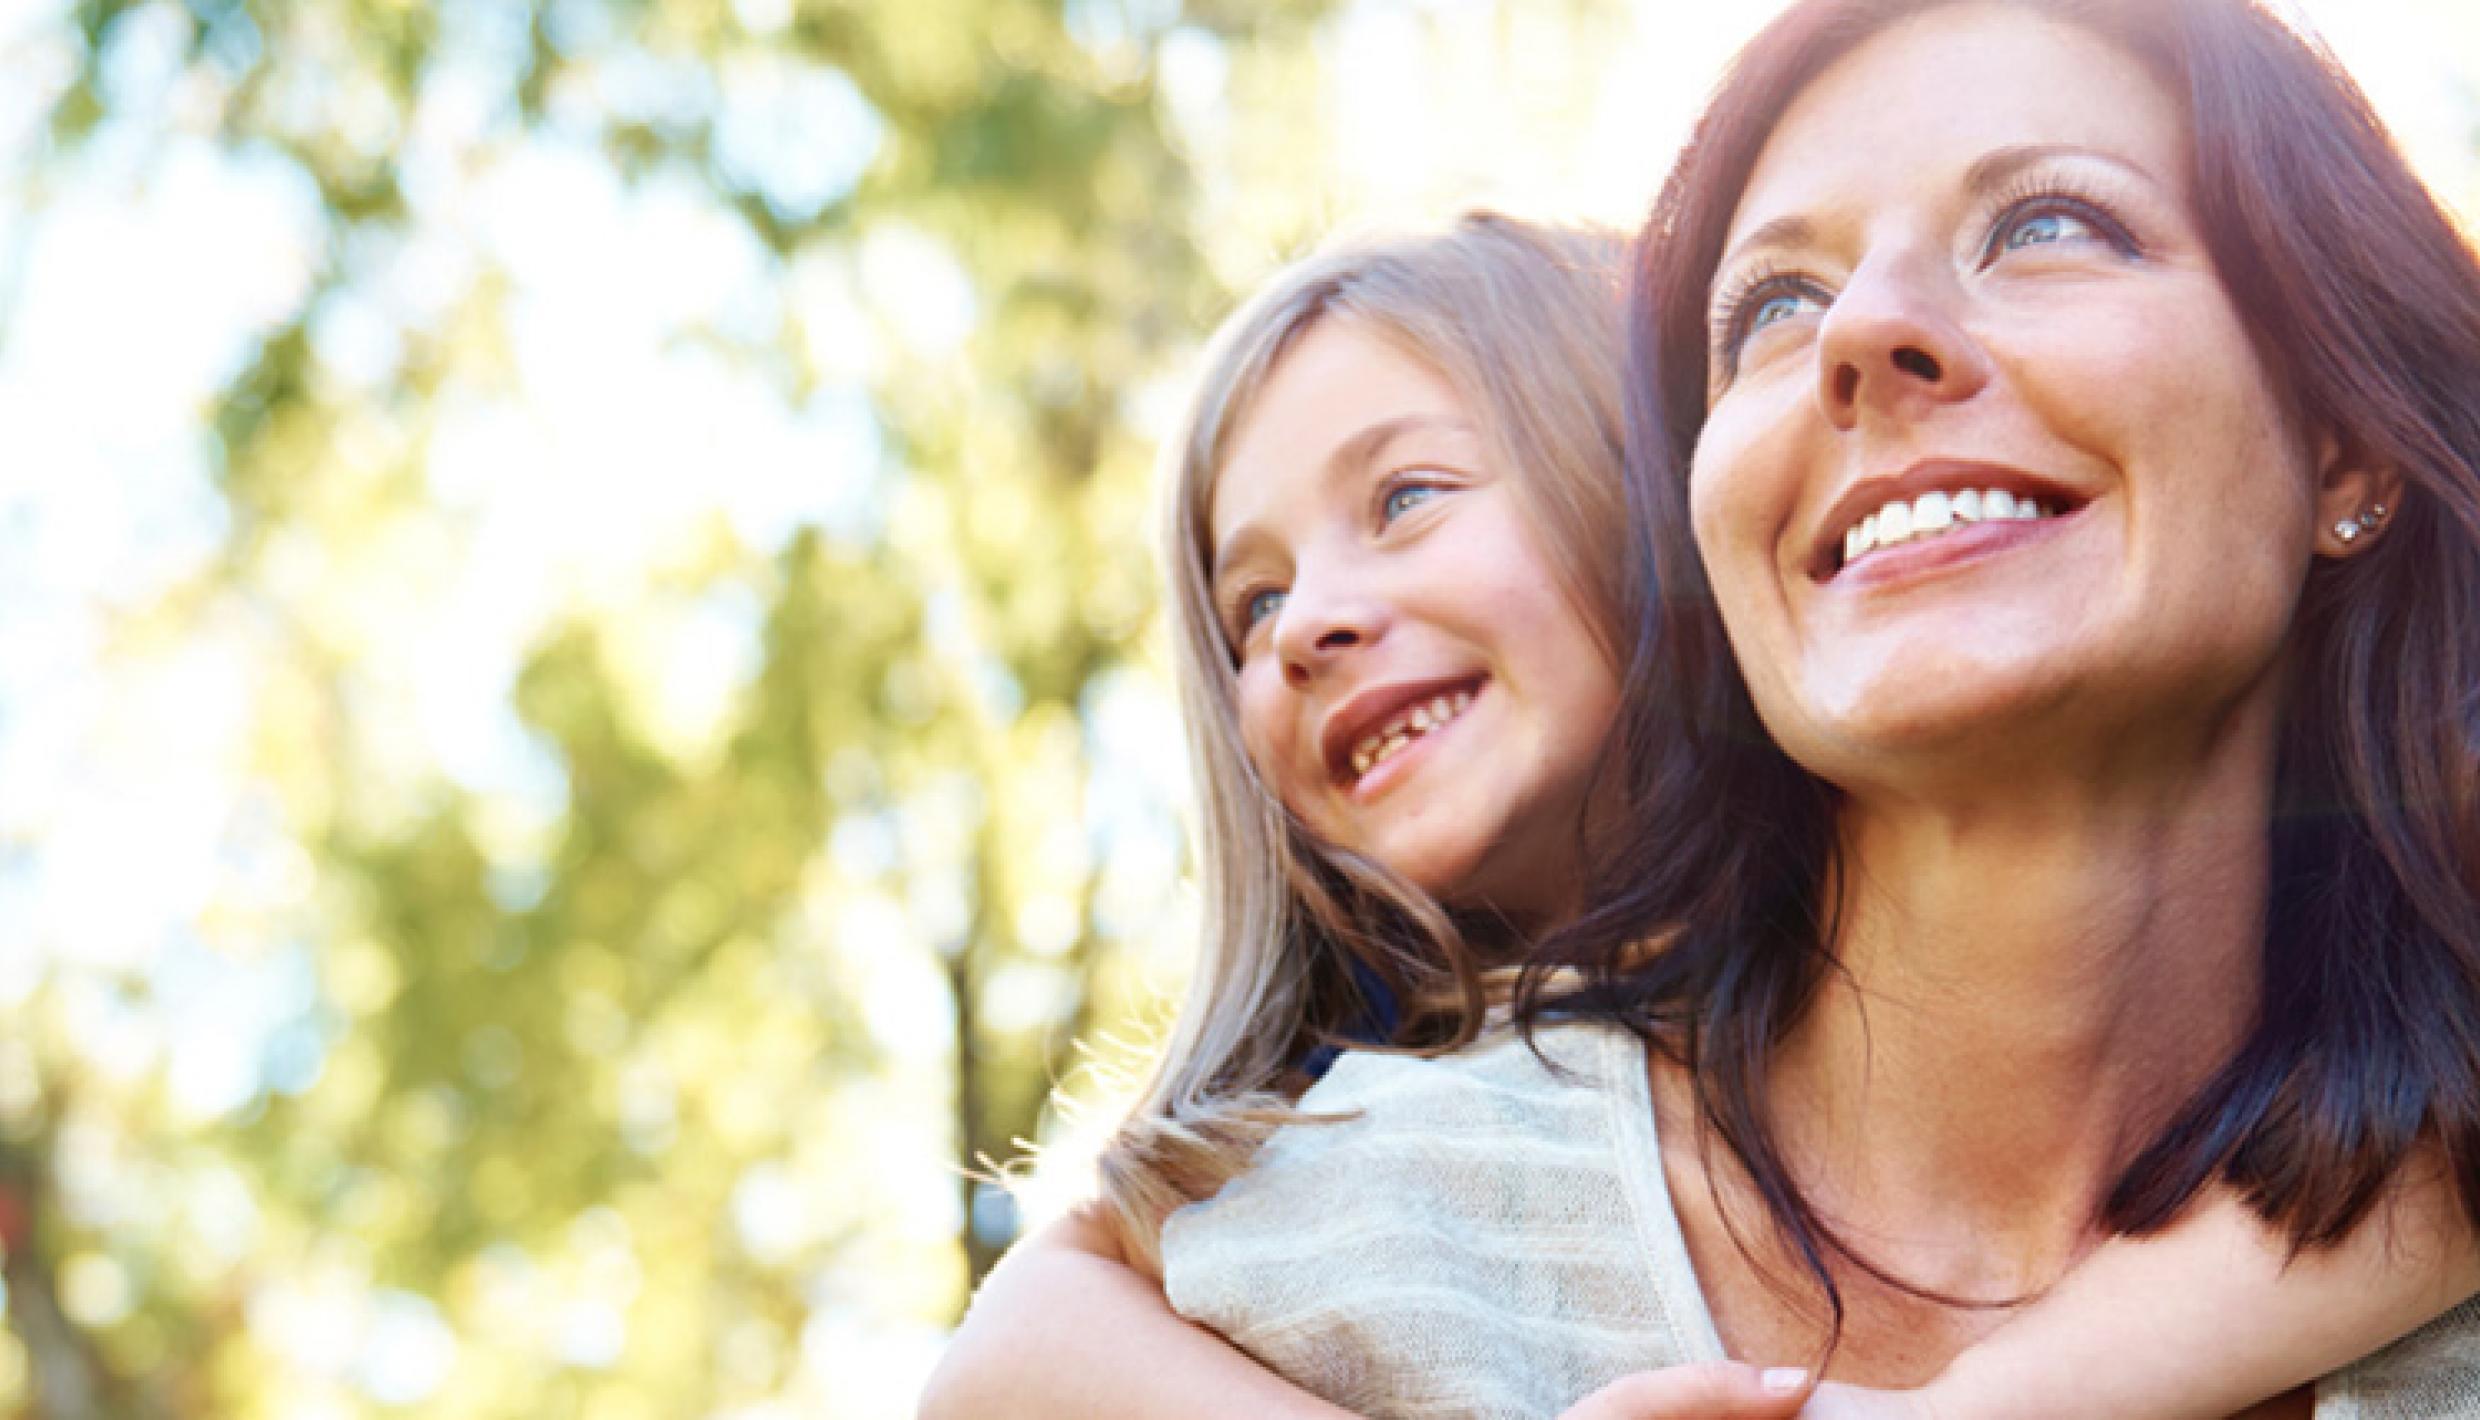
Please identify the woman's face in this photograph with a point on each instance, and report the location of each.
(1990, 464)
(1414, 680)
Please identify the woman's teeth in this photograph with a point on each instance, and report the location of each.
(1930, 514)
(1408, 725)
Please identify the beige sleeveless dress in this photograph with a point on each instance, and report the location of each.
(1491, 1240)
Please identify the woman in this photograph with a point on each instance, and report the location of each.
(2060, 853)
(1510, 330)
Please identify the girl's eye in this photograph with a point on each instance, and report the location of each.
(1403, 498)
(1259, 606)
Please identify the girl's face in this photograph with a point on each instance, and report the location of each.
(1990, 460)
(1414, 681)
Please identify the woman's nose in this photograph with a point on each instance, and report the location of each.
(1320, 624)
(1893, 344)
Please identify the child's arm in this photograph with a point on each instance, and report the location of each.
(1065, 1329)
(2213, 1315)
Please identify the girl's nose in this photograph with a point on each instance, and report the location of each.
(1320, 624)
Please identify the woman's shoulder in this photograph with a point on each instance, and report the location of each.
(2431, 1373)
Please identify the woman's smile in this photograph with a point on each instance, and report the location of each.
(1962, 507)
(1988, 447)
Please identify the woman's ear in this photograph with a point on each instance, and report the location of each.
(2355, 498)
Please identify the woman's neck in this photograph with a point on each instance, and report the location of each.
(2035, 982)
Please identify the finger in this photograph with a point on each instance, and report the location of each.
(1716, 1392)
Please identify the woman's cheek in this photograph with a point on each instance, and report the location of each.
(1725, 490)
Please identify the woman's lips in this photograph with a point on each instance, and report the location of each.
(1902, 522)
(1932, 499)
(1961, 543)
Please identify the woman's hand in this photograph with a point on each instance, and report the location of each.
(1726, 1391)
(1730, 1391)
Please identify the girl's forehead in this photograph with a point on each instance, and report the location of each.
(1336, 398)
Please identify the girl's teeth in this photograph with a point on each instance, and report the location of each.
(1420, 720)
(1933, 513)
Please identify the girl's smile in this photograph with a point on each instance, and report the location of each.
(1415, 682)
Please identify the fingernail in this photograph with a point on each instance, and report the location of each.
(1783, 1380)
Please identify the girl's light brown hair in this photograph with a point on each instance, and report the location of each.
(1305, 946)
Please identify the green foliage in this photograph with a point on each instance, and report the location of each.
(661, 912)
(565, 1043)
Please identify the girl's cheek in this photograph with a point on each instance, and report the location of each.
(1264, 731)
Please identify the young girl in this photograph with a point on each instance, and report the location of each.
(1398, 583)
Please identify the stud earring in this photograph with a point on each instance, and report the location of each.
(2348, 530)
(2376, 514)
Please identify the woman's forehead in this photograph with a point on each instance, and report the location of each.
(1916, 111)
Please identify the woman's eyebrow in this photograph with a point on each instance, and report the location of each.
(1992, 170)
(1988, 173)
(1789, 231)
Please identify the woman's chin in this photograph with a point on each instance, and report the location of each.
(1923, 729)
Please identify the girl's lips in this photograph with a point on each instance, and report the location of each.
(1385, 774)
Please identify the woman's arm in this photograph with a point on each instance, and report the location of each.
(2214, 1315)
(1064, 1329)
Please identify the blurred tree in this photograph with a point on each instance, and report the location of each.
(583, 1059)
(683, 523)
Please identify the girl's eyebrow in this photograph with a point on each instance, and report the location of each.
(1355, 452)
(1365, 446)
(1988, 173)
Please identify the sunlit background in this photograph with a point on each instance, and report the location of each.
(581, 723)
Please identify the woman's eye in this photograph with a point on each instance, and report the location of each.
(1403, 498)
(2036, 229)
(1775, 309)
(1767, 302)
(2055, 220)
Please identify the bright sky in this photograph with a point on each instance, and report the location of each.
(1441, 101)
(135, 283)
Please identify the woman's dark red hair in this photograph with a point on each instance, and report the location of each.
(2364, 302)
